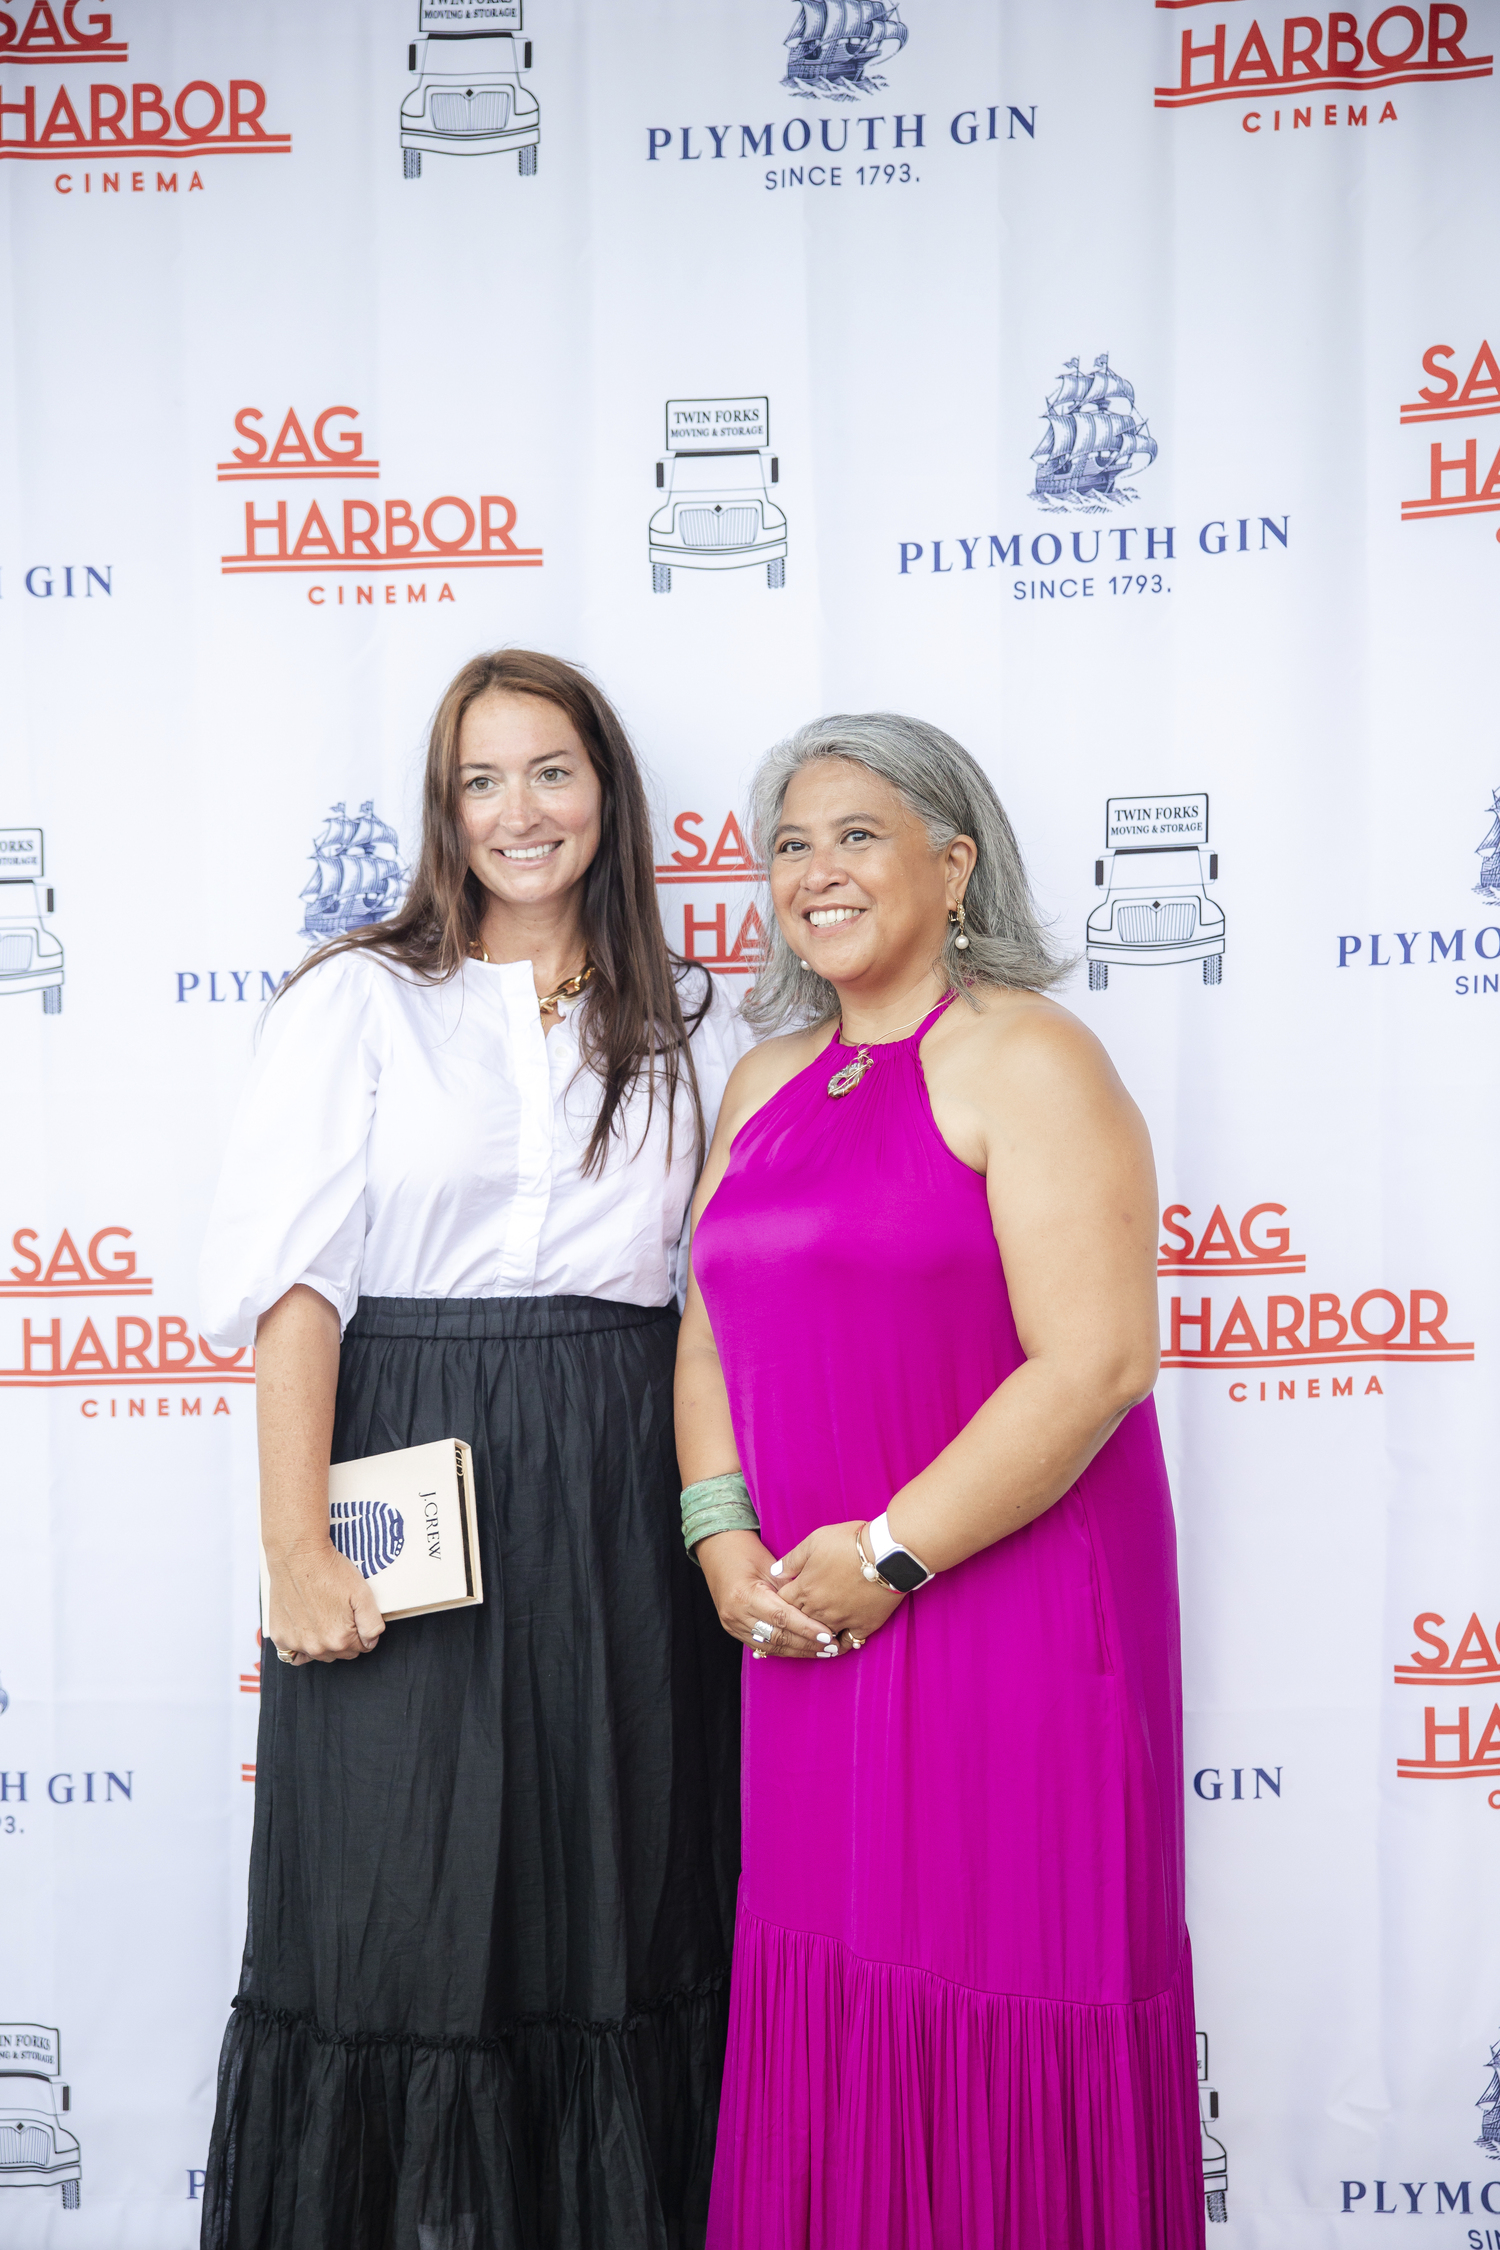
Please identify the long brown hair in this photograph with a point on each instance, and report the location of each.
(633, 1017)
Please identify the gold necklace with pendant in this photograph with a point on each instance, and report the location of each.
(844, 1081)
(569, 989)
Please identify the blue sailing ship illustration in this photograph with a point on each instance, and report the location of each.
(1488, 885)
(357, 874)
(1093, 438)
(834, 45)
(1489, 2103)
(369, 1532)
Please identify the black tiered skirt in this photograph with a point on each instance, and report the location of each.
(492, 1880)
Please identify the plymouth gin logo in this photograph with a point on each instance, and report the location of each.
(1093, 438)
(1489, 2104)
(1488, 885)
(834, 45)
(357, 875)
(370, 1533)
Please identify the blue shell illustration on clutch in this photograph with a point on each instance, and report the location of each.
(369, 1532)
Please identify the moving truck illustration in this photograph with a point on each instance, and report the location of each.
(718, 513)
(31, 960)
(469, 99)
(1155, 876)
(36, 2150)
(1215, 2162)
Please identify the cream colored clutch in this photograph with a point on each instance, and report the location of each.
(406, 1521)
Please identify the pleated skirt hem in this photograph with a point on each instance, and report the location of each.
(553, 2130)
(869, 2106)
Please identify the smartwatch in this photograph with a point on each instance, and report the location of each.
(893, 1563)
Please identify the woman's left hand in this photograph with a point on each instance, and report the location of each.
(821, 1577)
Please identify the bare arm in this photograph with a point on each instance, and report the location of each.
(1029, 1098)
(735, 1563)
(1072, 1196)
(321, 1608)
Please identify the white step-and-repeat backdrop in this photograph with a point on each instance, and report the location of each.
(1116, 385)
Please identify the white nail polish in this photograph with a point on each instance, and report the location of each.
(825, 1636)
(776, 1569)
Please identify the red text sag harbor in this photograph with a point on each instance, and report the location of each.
(1399, 47)
(362, 535)
(120, 121)
(1292, 1329)
(56, 1350)
(1456, 485)
(331, 454)
(67, 1272)
(704, 936)
(43, 38)
(1467, 1746)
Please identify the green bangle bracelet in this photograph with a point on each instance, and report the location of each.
(716, 1504)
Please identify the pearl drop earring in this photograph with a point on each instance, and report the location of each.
(956, 917)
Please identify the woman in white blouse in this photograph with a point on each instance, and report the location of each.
(492, 1878)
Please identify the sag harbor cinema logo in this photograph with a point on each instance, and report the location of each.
(66, 1333)
(1281, 71)
(97, 132)
(1226, 1314)
(707, 898)
(354, 546)
(1458, 482)
(1460, 1740)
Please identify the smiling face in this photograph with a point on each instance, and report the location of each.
(528, 796)
(858, 890)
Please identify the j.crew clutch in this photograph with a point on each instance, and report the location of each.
(406, 1521)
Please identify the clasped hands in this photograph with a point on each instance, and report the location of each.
(813, 1602)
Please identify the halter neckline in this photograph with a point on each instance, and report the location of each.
(911, 1039)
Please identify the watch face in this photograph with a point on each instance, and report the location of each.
(903, 1571)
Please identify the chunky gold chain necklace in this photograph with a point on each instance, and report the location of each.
(569, 989)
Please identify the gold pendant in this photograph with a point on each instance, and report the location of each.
(844, 1081)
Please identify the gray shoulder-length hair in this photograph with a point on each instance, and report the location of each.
(951, 795)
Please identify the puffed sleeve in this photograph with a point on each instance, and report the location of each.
(290, 1205)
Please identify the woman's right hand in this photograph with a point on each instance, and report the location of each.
(322, 1610)
(737, 1567)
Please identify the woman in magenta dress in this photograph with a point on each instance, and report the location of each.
(926, 1488)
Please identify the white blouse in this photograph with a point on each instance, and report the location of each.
(401, 1139)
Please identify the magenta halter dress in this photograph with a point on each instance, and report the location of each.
(962, 2007)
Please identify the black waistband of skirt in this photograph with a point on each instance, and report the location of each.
(498, 1319)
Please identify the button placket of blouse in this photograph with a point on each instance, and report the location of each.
(527, 1213)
